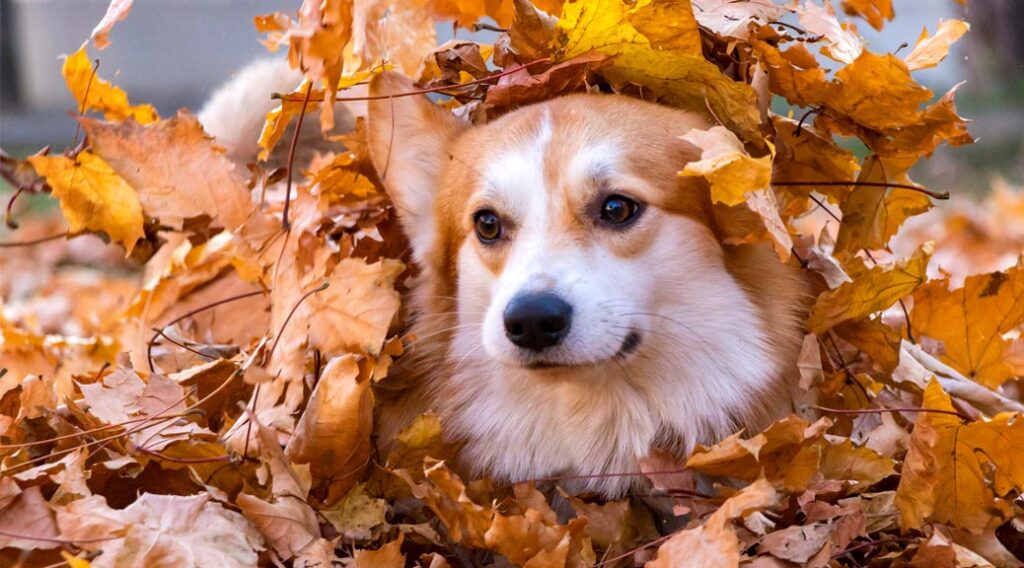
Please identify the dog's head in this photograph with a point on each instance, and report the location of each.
(562, 231)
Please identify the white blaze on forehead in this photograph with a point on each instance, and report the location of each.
(516, 176)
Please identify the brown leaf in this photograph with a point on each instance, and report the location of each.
(333, 434)
(23, 512)
(388, 556)
(715, 544)
(176, 169)
(160, 530)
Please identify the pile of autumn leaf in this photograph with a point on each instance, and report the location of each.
(215, 407)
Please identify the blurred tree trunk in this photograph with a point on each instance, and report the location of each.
(995, 43)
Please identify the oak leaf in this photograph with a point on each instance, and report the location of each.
(93, 197)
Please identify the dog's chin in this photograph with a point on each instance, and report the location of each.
(548, 364)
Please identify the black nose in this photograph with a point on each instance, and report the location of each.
(538, 320)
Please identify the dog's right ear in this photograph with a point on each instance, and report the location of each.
(408, 136)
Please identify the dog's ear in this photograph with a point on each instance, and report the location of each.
(408, 136)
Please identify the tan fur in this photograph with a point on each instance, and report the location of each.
(433, 167)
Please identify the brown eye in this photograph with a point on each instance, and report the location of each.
(619, 210)
(487, 226)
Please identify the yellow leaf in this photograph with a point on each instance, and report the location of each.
(971, 322)
(929, 51)
(668, 25)
(74, 561)
(957, 472)
(873, 214)
(875, 290)
(684, 79)
(93, 93)
(93, 197)
(730, 171)
(876, 12)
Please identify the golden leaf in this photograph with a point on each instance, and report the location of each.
(929, 51)
(876, 12)
(730, 171)
(93, 197)
(971, 322)
(93, 93)
(874, 290)
(685, 79)
(957, 472)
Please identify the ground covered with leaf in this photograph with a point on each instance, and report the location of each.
(191, 352)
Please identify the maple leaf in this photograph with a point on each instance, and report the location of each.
(176, 169)
(971, 322)
(388, 556)
(685, 79)
(731, 172)
(874, 290)
(958, 472)
(160, 530)
(715, 543)
(93, 197)
(93, 93)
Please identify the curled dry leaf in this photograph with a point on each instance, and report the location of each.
(116, 12)
(333, 434)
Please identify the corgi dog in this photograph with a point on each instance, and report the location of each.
(575, 305)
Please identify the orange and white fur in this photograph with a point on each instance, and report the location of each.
(574, 304)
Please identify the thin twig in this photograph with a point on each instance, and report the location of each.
(438, 89)
(928, 192)
(33, 242)
(149, 344)
(884, 410)
(291, 160)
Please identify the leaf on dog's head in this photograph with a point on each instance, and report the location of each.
(684, 79)
(93, 93)
(93, 197)
(731, 172)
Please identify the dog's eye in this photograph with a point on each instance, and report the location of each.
(619, 210)
(487, 226)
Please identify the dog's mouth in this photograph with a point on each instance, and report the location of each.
(629, 345)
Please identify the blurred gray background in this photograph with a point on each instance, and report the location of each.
(173, 53)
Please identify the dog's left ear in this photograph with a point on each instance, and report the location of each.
(408, 136)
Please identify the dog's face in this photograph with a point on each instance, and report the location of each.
(587, 306)
(570, 239)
